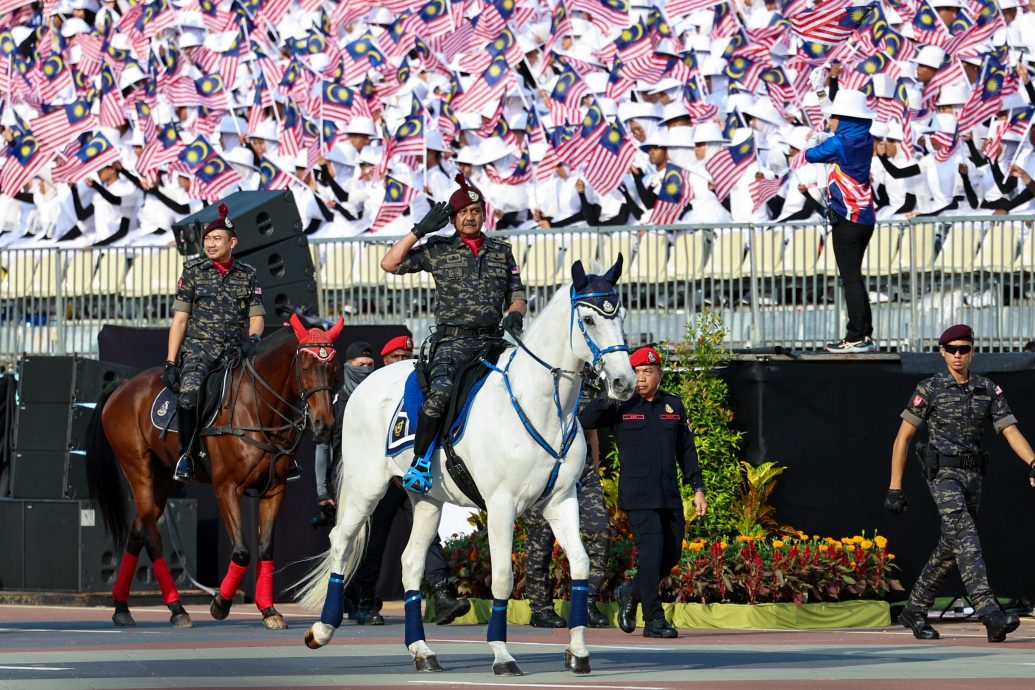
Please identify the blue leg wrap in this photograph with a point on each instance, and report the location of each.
(414, 622)
(498, 621)
(578, 613)
(418, 478)
(334, 604)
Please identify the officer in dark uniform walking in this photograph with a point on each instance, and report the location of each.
(476, 279)
(955, 405)
(217, 298)
(596, 535)
(651, 432)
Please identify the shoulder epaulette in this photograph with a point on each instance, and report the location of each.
(196, 262)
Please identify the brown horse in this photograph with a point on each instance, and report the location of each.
(250, 446)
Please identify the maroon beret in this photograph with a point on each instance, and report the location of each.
(465, 196)
(645, 356)
(221, 223)
(960, 331)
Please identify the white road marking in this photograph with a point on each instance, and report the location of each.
(507, 684)
(34, 668)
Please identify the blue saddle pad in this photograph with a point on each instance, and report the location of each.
(404, 420)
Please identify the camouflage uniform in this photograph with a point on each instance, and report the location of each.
(955, 414)
(471, 293)
(219, 308)
(596, 535)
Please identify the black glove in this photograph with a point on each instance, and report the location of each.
(896, 501)
(171, 376)
(433, 221)
(513, 322)
(1031, 470)
(249, 346)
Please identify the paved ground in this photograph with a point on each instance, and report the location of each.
(63, 648)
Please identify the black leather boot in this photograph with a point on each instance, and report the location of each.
(916, 620)
(546, 618)
(999, 624)
(448, 607)
(627, 606)
(595, 618)
(187, 420)
(366, 611)
(659, 627)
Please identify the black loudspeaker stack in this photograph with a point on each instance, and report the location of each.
(270, 238)
(56, 396)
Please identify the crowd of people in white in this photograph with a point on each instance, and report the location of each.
(201, 98)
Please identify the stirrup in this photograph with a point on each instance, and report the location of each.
(184, 471)
(418, 478)
(295, 472)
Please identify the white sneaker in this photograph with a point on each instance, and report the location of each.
(852, 347)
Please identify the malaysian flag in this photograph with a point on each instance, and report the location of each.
(56, 78)
(271, 176)
(610, 159)
(1018, 123)
(64, 123)
(211, 92)
(727, 166)
(832, 22)
(112, 105)
(861, 78)
(988, 20)
(398, 198)
(341, 103)
(194, 155)
(436, 18)
(929, 27)
(360, 56)
(25, 159)
(164, 148)
(762, 190)
(606, 14)
(987, 100)
(681, 8)
(94, 154)
(565, 100)
(674, 193)
(489, 88)
(216, 176)
(409, 137)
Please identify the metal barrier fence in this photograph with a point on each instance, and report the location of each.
(773, 284)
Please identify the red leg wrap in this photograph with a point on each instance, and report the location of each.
(264, 585)
(165, 581)
(127, 568)
(232, 580)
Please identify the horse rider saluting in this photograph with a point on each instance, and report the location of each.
(216, 297)
(476, 277)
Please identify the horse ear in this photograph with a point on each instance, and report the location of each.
(578, 275)
(335, 330)
(615, 272)
(301, 332)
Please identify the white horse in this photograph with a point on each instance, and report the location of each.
(522, 444)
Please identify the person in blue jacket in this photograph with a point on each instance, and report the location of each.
(850, 204)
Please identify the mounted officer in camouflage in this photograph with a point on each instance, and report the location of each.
(476, 279)
(217, 300)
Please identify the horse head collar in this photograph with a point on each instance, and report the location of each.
(318, 343)
(599, 294)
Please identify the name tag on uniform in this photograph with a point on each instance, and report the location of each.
(670, 416)
(626, 417)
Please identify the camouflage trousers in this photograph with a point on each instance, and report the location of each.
(596, 536)
(956, 493)
(197, 358)
(448, 356)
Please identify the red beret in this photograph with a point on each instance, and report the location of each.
(645, 355)
(400, 342)
(465, 196)
(960, 331)
(221, 223)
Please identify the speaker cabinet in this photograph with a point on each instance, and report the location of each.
(61, 546)
(66, 379)
(288, 261)
(280, 299)
(48, 474)
(51, 426)
(260, 219)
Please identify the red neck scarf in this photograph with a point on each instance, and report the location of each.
(223, 266)
(474, 244)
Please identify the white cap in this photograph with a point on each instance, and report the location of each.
(190, 38)
(360, 125)
(930, 56)
(19, 34)
(657, 138)
(239, 155)
(226, 125)
(370, 156)
(1009, 4)
(73, 26)
(492, 149)
(665, 84)
(798, 137)
(709, 133)
(629, 110)
(469, 121)
(266, 130)
(895, 131)
(883, 86)
(596, 82)
(711, 65)
(673, 111)
(954, 94)
(878, 129)
(849, 103)
(741, 134)
(380, 15)
(433, 141)
(944, 3)
(944, 123)
(467, 154)
(302, 159)
(336, 155)
(765, 111)
(88, 5)
(518, 122)
(130, 75)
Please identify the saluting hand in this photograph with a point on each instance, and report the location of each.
(433, 221)
(1031, 474)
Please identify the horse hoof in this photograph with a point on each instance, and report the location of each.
(427, 664)
(220, 607)
(123, 619)
(576, 664)
(181, 620)
(272, 619)
(310, 640)
(507, 668)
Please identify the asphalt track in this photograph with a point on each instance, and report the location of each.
(64, 648)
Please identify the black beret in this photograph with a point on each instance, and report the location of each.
(359, 349)
(960, 331)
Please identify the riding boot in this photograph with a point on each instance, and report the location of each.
(595, 618)
(188, 424)
(448, 607)
(418, 477)
(366, 610)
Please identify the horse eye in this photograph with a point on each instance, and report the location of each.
(588, 320)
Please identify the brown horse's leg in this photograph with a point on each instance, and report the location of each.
(269, 506)
(124, 581)
(230, 511)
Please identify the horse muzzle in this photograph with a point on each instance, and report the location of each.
(321, 431)
(621, 388)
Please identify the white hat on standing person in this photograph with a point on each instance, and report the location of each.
(360, 125)
(849, 103)
(709, 133)
(930, 56)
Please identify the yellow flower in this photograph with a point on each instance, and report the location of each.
(852, 564)
(722, 545)
(866, 544)
(777, 544)
(816, 537)
(880, 541)
(891, 556)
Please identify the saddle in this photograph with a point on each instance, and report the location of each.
(214, 389)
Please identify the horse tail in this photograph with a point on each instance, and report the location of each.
(103, 476)
(312, 589)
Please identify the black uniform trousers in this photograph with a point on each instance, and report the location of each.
(850, 240)
(658, 536)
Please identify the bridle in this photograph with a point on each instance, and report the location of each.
(609, 307)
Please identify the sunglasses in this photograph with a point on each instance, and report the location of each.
(958, 349)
